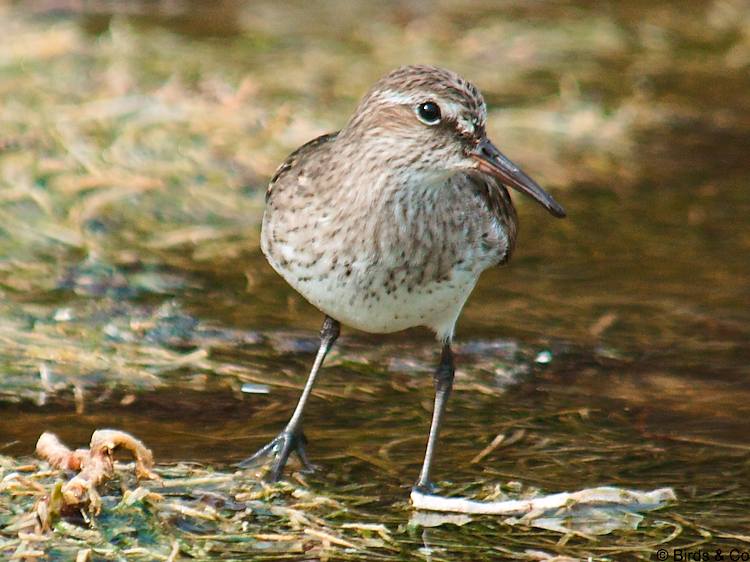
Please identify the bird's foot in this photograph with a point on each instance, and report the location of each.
(279, 450)
(426, 487)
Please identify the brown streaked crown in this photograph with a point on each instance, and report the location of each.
(396, 95)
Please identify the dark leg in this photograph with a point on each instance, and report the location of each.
(443, 385)
(292, 438)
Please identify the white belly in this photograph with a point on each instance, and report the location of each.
(435, 304)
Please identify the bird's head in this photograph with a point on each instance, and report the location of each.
(431, 121)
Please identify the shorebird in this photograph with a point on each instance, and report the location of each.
(388, 223)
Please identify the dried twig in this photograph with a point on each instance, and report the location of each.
(96, 464)
(591, 496)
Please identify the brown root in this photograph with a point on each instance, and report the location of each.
(96, 464)
(51, 449)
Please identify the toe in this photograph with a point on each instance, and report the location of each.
(279, 450)
(427, 488)
(269, 449)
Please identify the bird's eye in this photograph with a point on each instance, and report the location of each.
(429, 113)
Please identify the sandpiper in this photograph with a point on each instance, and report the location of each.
(388, 224)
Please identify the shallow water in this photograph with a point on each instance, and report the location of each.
(635, 117)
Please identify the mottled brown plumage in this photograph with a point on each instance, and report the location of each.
(388, 223)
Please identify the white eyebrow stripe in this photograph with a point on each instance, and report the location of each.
(448, 108)
(396, 97)
(451, 109)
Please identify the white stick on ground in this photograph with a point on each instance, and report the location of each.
(591, 496)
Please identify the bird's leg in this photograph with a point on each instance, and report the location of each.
(443, 384)
(292, 438)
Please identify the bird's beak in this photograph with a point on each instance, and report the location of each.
(491, 161)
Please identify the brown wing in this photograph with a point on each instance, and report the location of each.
(498, 202)
(295, 156)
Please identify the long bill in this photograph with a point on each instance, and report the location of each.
(492, 161)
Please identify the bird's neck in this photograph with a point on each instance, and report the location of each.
(380, 164)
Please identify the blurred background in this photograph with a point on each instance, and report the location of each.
(136, 140)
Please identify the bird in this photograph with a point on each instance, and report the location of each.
(388, 223)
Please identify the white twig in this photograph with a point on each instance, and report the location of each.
(591, 496)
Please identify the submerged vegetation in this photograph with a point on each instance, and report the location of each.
(134, 152)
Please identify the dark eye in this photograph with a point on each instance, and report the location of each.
(429, 113)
